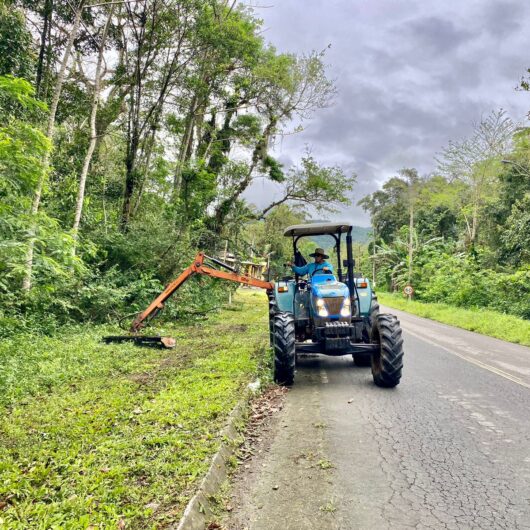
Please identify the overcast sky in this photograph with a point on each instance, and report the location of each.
(410, 75)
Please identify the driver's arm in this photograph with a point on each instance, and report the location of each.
(301, 271)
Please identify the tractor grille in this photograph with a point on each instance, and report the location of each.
(334, 304)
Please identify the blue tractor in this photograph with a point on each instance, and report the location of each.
(324, 313)
(332, 314)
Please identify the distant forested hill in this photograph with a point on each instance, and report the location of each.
(360, 234)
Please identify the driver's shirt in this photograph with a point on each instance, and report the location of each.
(311, 268)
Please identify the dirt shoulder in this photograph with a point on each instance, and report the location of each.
(284, 480)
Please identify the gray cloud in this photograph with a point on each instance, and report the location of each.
(433, 35)
(411, 75)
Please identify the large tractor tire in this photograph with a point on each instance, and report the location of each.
(364, 360)
(387, 363)
(284, 348)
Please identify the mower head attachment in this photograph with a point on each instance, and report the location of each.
(196, 267)
(142, 340)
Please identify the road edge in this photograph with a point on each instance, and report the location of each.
(200, 508)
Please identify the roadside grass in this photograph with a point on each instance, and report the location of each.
(116, 436)
(485, 321)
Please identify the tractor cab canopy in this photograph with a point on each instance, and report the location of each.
(336, 230)
(317, 229)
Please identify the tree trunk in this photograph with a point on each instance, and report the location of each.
(26, 282)
(146, 154)
(184, 147)
(132, 148)
(93, 134)
(223, 138)
(474, 217)
(48, 10)
(130, 181)
(137, 124)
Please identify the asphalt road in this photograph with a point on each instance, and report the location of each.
(448, 448)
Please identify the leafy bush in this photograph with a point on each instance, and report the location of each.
(460, 281)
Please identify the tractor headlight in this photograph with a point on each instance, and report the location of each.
(346, 308)
(321, 308)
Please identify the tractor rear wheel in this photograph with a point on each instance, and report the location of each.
(284, 348)
(365, 359)
(387, 363)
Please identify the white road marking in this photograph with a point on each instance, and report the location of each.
(323, 376)
(488, 367)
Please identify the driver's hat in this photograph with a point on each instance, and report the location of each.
(319, 251)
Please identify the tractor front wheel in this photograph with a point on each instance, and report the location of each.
(365, 359)
(284, 348)
(387, 363)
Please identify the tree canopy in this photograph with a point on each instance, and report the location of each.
(467, 243)
(129, 132)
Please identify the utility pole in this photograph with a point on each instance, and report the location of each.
(411, 230)
(373, 256)
(411, 240)
(412, 179)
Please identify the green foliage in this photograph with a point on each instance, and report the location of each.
(17, 57)
(23, 149)
(321, 187)
(186, 112)
(267, 236)
(440, 275)
(99, 435)
(273, 168)
(17, 95)
(516, 235)
(455, 262)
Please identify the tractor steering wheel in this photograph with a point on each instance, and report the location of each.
(325, 270)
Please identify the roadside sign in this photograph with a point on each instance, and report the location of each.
(408, 290)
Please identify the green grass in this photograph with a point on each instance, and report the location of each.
(111, 436)
(487, 322)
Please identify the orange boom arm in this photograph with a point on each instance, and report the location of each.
(197, 267)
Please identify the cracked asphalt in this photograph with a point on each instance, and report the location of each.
(448, 448)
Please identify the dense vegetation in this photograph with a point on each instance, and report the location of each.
(484, 321)
(99, 436)
(460, 235)
(129, 132)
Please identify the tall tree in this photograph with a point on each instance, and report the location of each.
(475, 161)
(26, 283)
(288, 87)
(154, 38)
(93, 130)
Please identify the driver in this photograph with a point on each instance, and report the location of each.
(320, 264)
